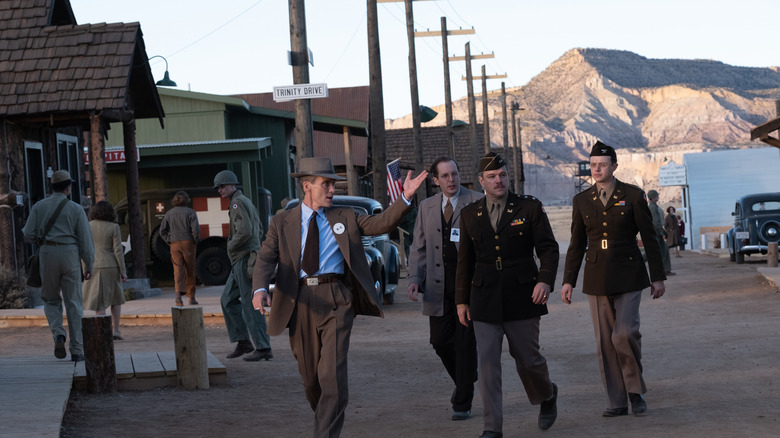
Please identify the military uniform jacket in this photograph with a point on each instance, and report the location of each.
(426, 264)
(281, 253)
(606, 237)
(246, 230)
(70, 227)
(496, 270)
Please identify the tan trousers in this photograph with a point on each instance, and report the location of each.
(319, 338)
(183, 258)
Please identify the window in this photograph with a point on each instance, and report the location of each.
(69, 158)
(33, 169)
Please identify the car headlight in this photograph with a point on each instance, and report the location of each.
(771, 232)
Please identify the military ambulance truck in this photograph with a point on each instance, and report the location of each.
(212, 264)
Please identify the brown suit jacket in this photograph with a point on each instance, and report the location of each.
(281, 251)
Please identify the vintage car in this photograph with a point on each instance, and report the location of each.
(381, 253)
(756, 224)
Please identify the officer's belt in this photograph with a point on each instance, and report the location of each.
(52, 243)
(612, 243)
(500, 264)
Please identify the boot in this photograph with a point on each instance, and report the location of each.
(178, 299)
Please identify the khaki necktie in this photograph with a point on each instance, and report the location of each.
(448, 211)
(495, 214)
(311, 252)
(603, 197)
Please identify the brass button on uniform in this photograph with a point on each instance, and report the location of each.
(498, 247)
(604, 213)
(604, 223)
(495, 237)
(605, 234)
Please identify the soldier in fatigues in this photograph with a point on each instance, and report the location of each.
(62, 249)
(241, 318)
(499, 287)
(605, 222)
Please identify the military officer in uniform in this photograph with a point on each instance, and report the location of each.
(605, 221)
(500, 289)
(62, 249)
(242, 320)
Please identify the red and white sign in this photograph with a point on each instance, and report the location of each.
(212, 216)
(111, 157)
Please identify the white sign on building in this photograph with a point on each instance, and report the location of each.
(672, 175)
(300, 91)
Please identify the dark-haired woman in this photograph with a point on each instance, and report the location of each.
(672, 231)
(104, 288)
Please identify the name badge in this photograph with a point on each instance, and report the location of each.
(455, 235)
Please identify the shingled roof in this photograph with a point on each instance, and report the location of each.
(53, 67)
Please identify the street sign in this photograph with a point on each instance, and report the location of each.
(672, 175)
(285, 93)
(111, 157)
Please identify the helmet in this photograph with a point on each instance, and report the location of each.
(225, 177)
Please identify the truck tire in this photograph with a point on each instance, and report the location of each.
(160, 247)
(213, 266)
(740, 258)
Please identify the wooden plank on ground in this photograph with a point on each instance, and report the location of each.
(168, 359)
(215, 366)
(147, 365)
(124, 366)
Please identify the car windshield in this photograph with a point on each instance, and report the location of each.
(766, 206)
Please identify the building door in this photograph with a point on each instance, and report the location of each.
(68, 158)
(34, 171)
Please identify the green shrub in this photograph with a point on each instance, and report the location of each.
(13, 290)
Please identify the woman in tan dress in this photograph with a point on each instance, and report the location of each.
(104, 288)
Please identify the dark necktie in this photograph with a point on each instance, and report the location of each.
(448, 211)
(311, 252)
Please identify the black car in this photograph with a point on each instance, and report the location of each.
(756, 224)
(381, 253)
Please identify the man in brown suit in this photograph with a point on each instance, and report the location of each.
(499, 287)
(322, 281)
(605, 221)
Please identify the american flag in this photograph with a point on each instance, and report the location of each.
(394, 184)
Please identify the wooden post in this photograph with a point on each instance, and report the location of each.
(472, 115)
(515, 108)
(351, 181)
(97, 158)
(520, 177)
(506, 125)
(99, 354)
(485, 116)
(771, 255)
(304, 128)
(447, 91)
(376, 112)
(189, 339)
(419, 161)
(134, 220)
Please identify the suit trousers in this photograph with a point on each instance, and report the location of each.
(618, 344)
(523, 339)
(183, 258)
(61, 275)
(319, 338)
(456, 346)
(241, 319)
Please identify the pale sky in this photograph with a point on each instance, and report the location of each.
(240, 46)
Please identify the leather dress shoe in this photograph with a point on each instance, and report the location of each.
(77, 357)
(638, 403)
(59, 347)
(491, 434)
(257, 355)
(242, 348)
(549, 410)
(460, 415)
(614, 412)
(177, 299)
(193, 301)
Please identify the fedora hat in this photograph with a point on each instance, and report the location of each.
(60, 176)
(316, 166)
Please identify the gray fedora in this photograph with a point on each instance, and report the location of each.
(316, 166)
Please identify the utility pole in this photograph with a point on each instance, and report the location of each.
(521, 179)
(485, 116)
(515, 108)
(503, 114)
(472, 110)
(484, 77)
(444, 33)
(376, 107)
(299, 57)
(419, 162)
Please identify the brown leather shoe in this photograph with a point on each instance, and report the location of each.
(179, 302)
(258, 355)
(614, 412)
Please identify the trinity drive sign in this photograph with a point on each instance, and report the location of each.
(300, 91)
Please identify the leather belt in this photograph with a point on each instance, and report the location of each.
(51, 243)
(610, 244)
(320, 279)
(501, 264)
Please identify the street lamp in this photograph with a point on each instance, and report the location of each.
(166, 80)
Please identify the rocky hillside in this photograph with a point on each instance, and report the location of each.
(654, 110)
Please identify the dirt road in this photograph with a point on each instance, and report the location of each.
(710, 358)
